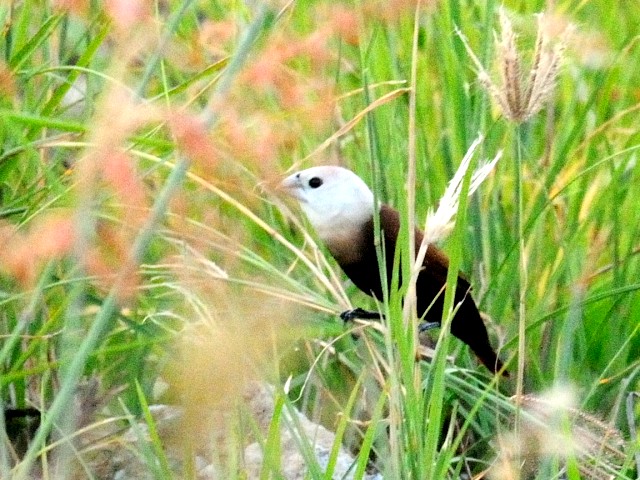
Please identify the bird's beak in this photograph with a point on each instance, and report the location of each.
(291, 185)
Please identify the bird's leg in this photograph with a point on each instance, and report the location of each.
(360, 313)
(424, 326)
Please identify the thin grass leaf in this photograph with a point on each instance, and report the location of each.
(341, 428)
(163, 471)
(369, 436)
(42, 35)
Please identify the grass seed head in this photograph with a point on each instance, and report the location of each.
(127, 14)
(233, 340)
(440, 223)
(8, 86)
(78, 7)
(192, 138)
(520, 96)
(553, 428)
(23, 254)
(217, 37)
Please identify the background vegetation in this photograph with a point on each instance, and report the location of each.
(147, 255)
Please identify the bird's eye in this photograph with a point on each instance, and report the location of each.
(315, 182)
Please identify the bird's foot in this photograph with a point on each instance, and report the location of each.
(424, 326)
(360, 313)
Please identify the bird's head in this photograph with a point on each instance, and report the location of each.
(333, 198)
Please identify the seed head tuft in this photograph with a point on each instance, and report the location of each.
(521, 97)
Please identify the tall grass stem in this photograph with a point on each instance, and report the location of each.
(522, 270)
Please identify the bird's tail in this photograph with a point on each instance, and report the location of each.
(469, 327)
(490, 360)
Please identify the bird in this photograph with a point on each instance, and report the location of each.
(341, 207)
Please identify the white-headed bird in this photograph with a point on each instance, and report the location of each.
(340, 207)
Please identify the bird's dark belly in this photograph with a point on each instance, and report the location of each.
(430, 292)
(366, 277)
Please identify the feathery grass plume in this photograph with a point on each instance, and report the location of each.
(521, 97)
(78, 7)
(216, 37)
(8, 87)
(394, 10)
(438, 224)
(230, 338)
(109, 174)
(192, 138)
(343, 21)
(127, 14)
(555, 429)
(278, 98)
(50, 237)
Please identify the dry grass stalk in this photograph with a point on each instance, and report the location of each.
(518, 97)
